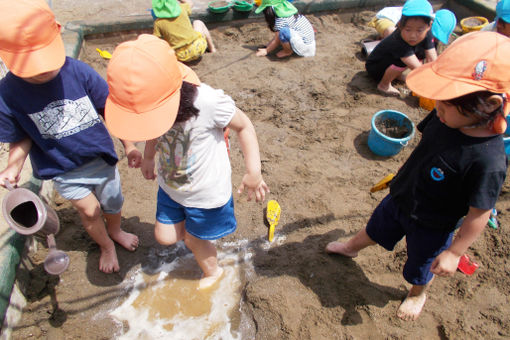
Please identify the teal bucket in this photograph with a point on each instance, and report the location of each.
(398, 130)
(506, 136)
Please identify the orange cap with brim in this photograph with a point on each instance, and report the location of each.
(144, 79)
(30, 40)
(478, 61)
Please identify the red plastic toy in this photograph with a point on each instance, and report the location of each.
(466, 265)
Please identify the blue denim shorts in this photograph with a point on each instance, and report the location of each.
(205, 224)
(388, 225)
(97, 177)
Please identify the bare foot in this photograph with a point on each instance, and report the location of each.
(108, 262)
(213, 50)
(340, 248)
(411, 307)
(127, 240)
(390, 90)
(208, 281)
(284, 53)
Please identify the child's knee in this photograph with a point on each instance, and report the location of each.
(168, 234)
(90, 212)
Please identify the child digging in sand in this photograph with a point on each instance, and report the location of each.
(172, 24)
(49, 108)
(293, 31)
(183, 120)
(404, 48)
(457, 169)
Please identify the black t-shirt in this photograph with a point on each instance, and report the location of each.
(392, 49)
(447, 173)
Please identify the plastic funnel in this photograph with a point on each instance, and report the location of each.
(57, 261)
(27, 214)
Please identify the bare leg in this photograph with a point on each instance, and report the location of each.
(199, 26)
(388, 31)
(125, 239)
(350, 248)
(385, 84)
(168, 234)
(90, 214)
(413, 304)
(286, 51)
(206, 256)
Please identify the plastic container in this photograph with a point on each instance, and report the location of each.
(385, 145)
(471, 24)
(506, 136)
(219, 6)
(427, 104)
(27, 214)
(367, 46)
(242, 6)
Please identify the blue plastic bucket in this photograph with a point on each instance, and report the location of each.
(506, 136)
(384, 145)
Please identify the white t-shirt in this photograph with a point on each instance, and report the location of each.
(194, 168)
(492, 27)
(391, 13)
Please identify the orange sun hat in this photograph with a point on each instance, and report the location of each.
(30, 40)
(144, 79)
(477, 61)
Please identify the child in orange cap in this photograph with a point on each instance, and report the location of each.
(173, 25)
(183, 121)
(457, 169)
(410, 43)
(49, 107)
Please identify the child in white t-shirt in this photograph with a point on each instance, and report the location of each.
(183, 121)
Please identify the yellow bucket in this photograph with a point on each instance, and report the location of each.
(425, 103)
(471, 24)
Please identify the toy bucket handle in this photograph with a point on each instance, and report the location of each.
(8, 185)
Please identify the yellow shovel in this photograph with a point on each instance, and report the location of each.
(273, 215)
(104, 54)
(383, 183)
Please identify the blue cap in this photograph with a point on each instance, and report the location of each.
(443, 25)
(418, 8)
(503, 10)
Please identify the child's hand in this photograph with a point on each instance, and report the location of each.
(254, 184)
(147, 168)
(261, 52)
(10, 174)
(445, 264)
(134, 158)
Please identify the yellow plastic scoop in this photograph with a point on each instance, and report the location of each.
(273, 216)
(104, 54)
(383, 183)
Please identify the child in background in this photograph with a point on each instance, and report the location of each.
(501, 23)
(49, 107)
(457, 169)
(195, 202)
(386, 20)
(404, 48)
(293, 31)
(172, 24)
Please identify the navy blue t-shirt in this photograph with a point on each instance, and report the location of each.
(392, 49)
(447, 173)
(60, 117)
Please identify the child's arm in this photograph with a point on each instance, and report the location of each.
(412, 61)
(446, 263)
(430, 55)
(133, 154)
(148, 161)
(18, 153)
(273, 44)
(252, 180)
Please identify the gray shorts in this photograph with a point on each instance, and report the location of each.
(97, 177)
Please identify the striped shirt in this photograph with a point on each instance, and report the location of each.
(298, 23)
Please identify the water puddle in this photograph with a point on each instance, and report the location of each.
(164, 302)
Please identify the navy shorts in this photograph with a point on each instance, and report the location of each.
(205, 224)
(388, 225)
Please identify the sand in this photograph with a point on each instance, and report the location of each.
(312, 117)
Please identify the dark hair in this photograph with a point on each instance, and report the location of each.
(186, 108)
(471, 103)
(502, 21)
(271, 16)
(404, 19)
